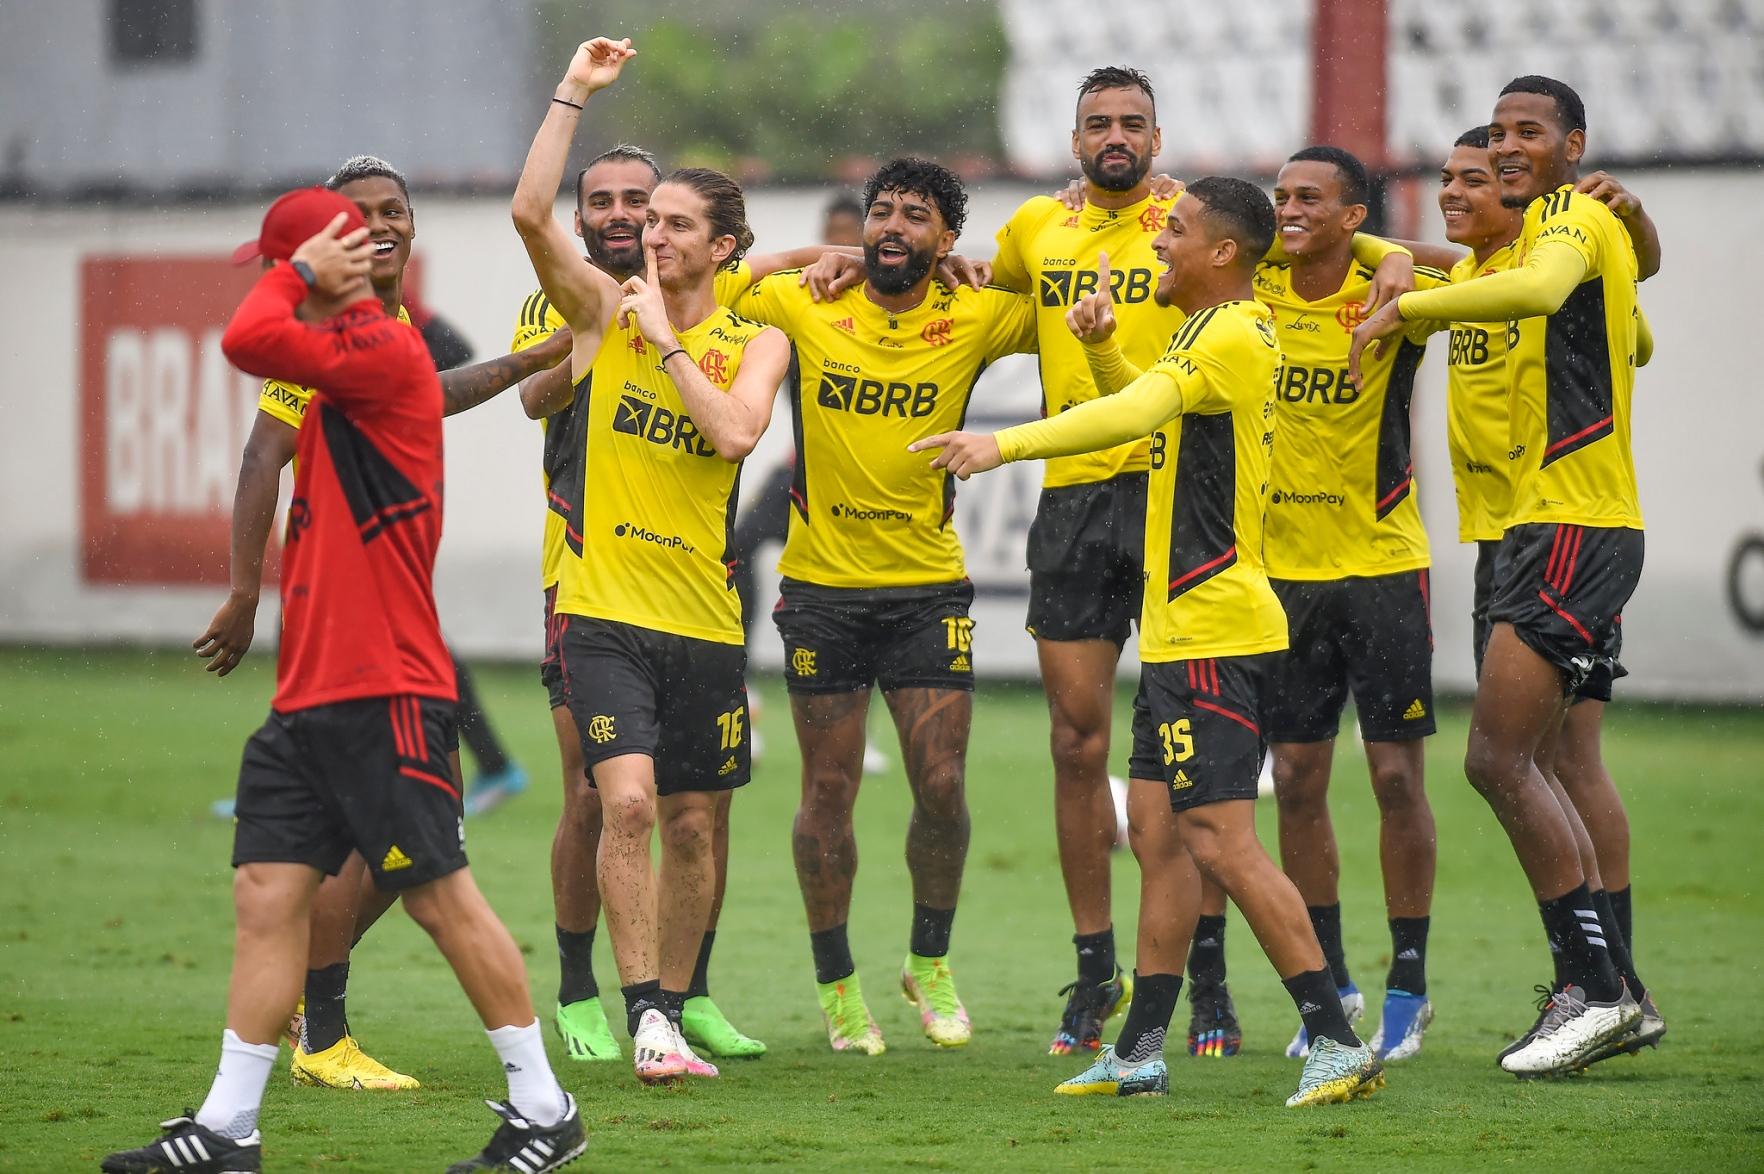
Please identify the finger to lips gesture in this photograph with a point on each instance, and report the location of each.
(642, 301)
(1092, 317)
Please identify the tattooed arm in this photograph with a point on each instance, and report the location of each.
(467, 387)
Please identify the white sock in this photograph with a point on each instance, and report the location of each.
(532, 1089)
(237, 1092)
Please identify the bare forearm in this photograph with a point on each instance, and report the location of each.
(547, 393)
(721, 418)
(536, 191)
(1645, 238)
(254, 513)
(467, 387)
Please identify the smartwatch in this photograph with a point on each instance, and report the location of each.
(306, 273)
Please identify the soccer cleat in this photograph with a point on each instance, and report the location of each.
(1336, 1074)
(345, 1065)
(192, 1149)
(927, 984)
(1645, 1034)
(653, 1055)
(1108, 1077)
(849, 1025)
(585, 1032)
(704, 1025)
(295, 1032)
(1088, 1007)
(1545, 994)
(489, 792)
(519, 1144)
(1212, 1022)
(222, 809)
(1572, 1031)
(1404, 1021)
(1353, 1004)
(695, 1065)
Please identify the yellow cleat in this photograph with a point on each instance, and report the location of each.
(345, 1065)
(296, 1025)
(1335, 1074)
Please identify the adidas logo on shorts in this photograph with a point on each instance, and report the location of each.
(1415, 712)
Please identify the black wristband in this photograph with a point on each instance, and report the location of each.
(567, 102)
(305, 272)
(679, 350)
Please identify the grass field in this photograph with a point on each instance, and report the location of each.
(115, 934)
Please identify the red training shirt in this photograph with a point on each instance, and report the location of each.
(358, 597)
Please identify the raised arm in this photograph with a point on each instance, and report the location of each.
(582, 294)
(228, 635)
(265, 338)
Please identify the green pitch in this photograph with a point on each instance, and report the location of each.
(115, 932)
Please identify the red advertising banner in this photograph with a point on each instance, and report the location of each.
(163, 419)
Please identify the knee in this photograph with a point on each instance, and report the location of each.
(630, 816)
(1203, 839)
(687, 831)
(423, 904)
(941, 793)
(1151, 834)
(581, 807)
(828, 793)
(1299, 791)
(1078, 745)
(1399, 790)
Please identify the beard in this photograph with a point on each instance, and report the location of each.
(890, 279)
(1116, 176)
(620, 260)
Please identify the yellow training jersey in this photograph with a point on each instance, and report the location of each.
(1341, 501)
(868, 513)
(562, 463)
(1477, 431)
(1050, 252)
(646, 542)
(1572, 374)
(287, 401)
(1211, 401)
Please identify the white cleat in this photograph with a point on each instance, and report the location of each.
(1571, 1033)
(653, 1055)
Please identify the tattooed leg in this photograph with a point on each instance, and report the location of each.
(933, 727)
(830, 730)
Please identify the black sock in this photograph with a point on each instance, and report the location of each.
(1326, 922)
(575, 958)
(672, 1004)
(474, 727)
(1206, 954)
(1620, 956)
(1318, 1001)
(641, 997)
(931, 927)
(699, 987)
(326, 1020)
(1148, 1017)
(1572, 921)
(1408, 955)
(1559, 977)
(832, 954)
(1625, 924)
(1096, 956)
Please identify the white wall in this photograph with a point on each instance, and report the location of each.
(1699, 434)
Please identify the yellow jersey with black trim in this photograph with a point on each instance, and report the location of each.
(1341, 499)
(1477, 427)
(1572, 375)
(287, 401)
(561, 464)
(646, 542)
(1050, 252)
(868, 513)
(1206, 586)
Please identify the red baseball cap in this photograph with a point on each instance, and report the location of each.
(295, 218)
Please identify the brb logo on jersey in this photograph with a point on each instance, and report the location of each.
(1469, 346)
(1062, 287)
(872, 397)
(658, 425)
(1322, 385)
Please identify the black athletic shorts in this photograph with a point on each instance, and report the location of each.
(1598, 683)
(1086, 556)
(370, 775)
(551, 671)
(680, 700)
(1197, 726)
(1372, 635)
(1563, 589)
(843, 640)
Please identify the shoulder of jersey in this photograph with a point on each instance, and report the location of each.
(537, 311)
(1037, 210)
(735, 321)
(1437, 276)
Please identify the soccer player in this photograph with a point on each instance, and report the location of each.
(654, 652)
(1480, 440)
(842, 221)
(1572, 549)
(347, 904)
(1208, 620)
(1084, 549)
(874, 589)
(353, 755)
(1348, 558)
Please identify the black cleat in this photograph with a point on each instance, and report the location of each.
(190, 1149)
(1212, 1025)
(520, 1145)
(1088, 1007)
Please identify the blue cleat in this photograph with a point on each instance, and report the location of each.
(1108, 1077)
(489, 792)
(1401, 1027)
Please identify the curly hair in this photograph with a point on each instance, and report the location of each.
(724, 206)
(368, 167)
(922, 177)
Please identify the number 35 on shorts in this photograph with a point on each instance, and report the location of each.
(1178, 739)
